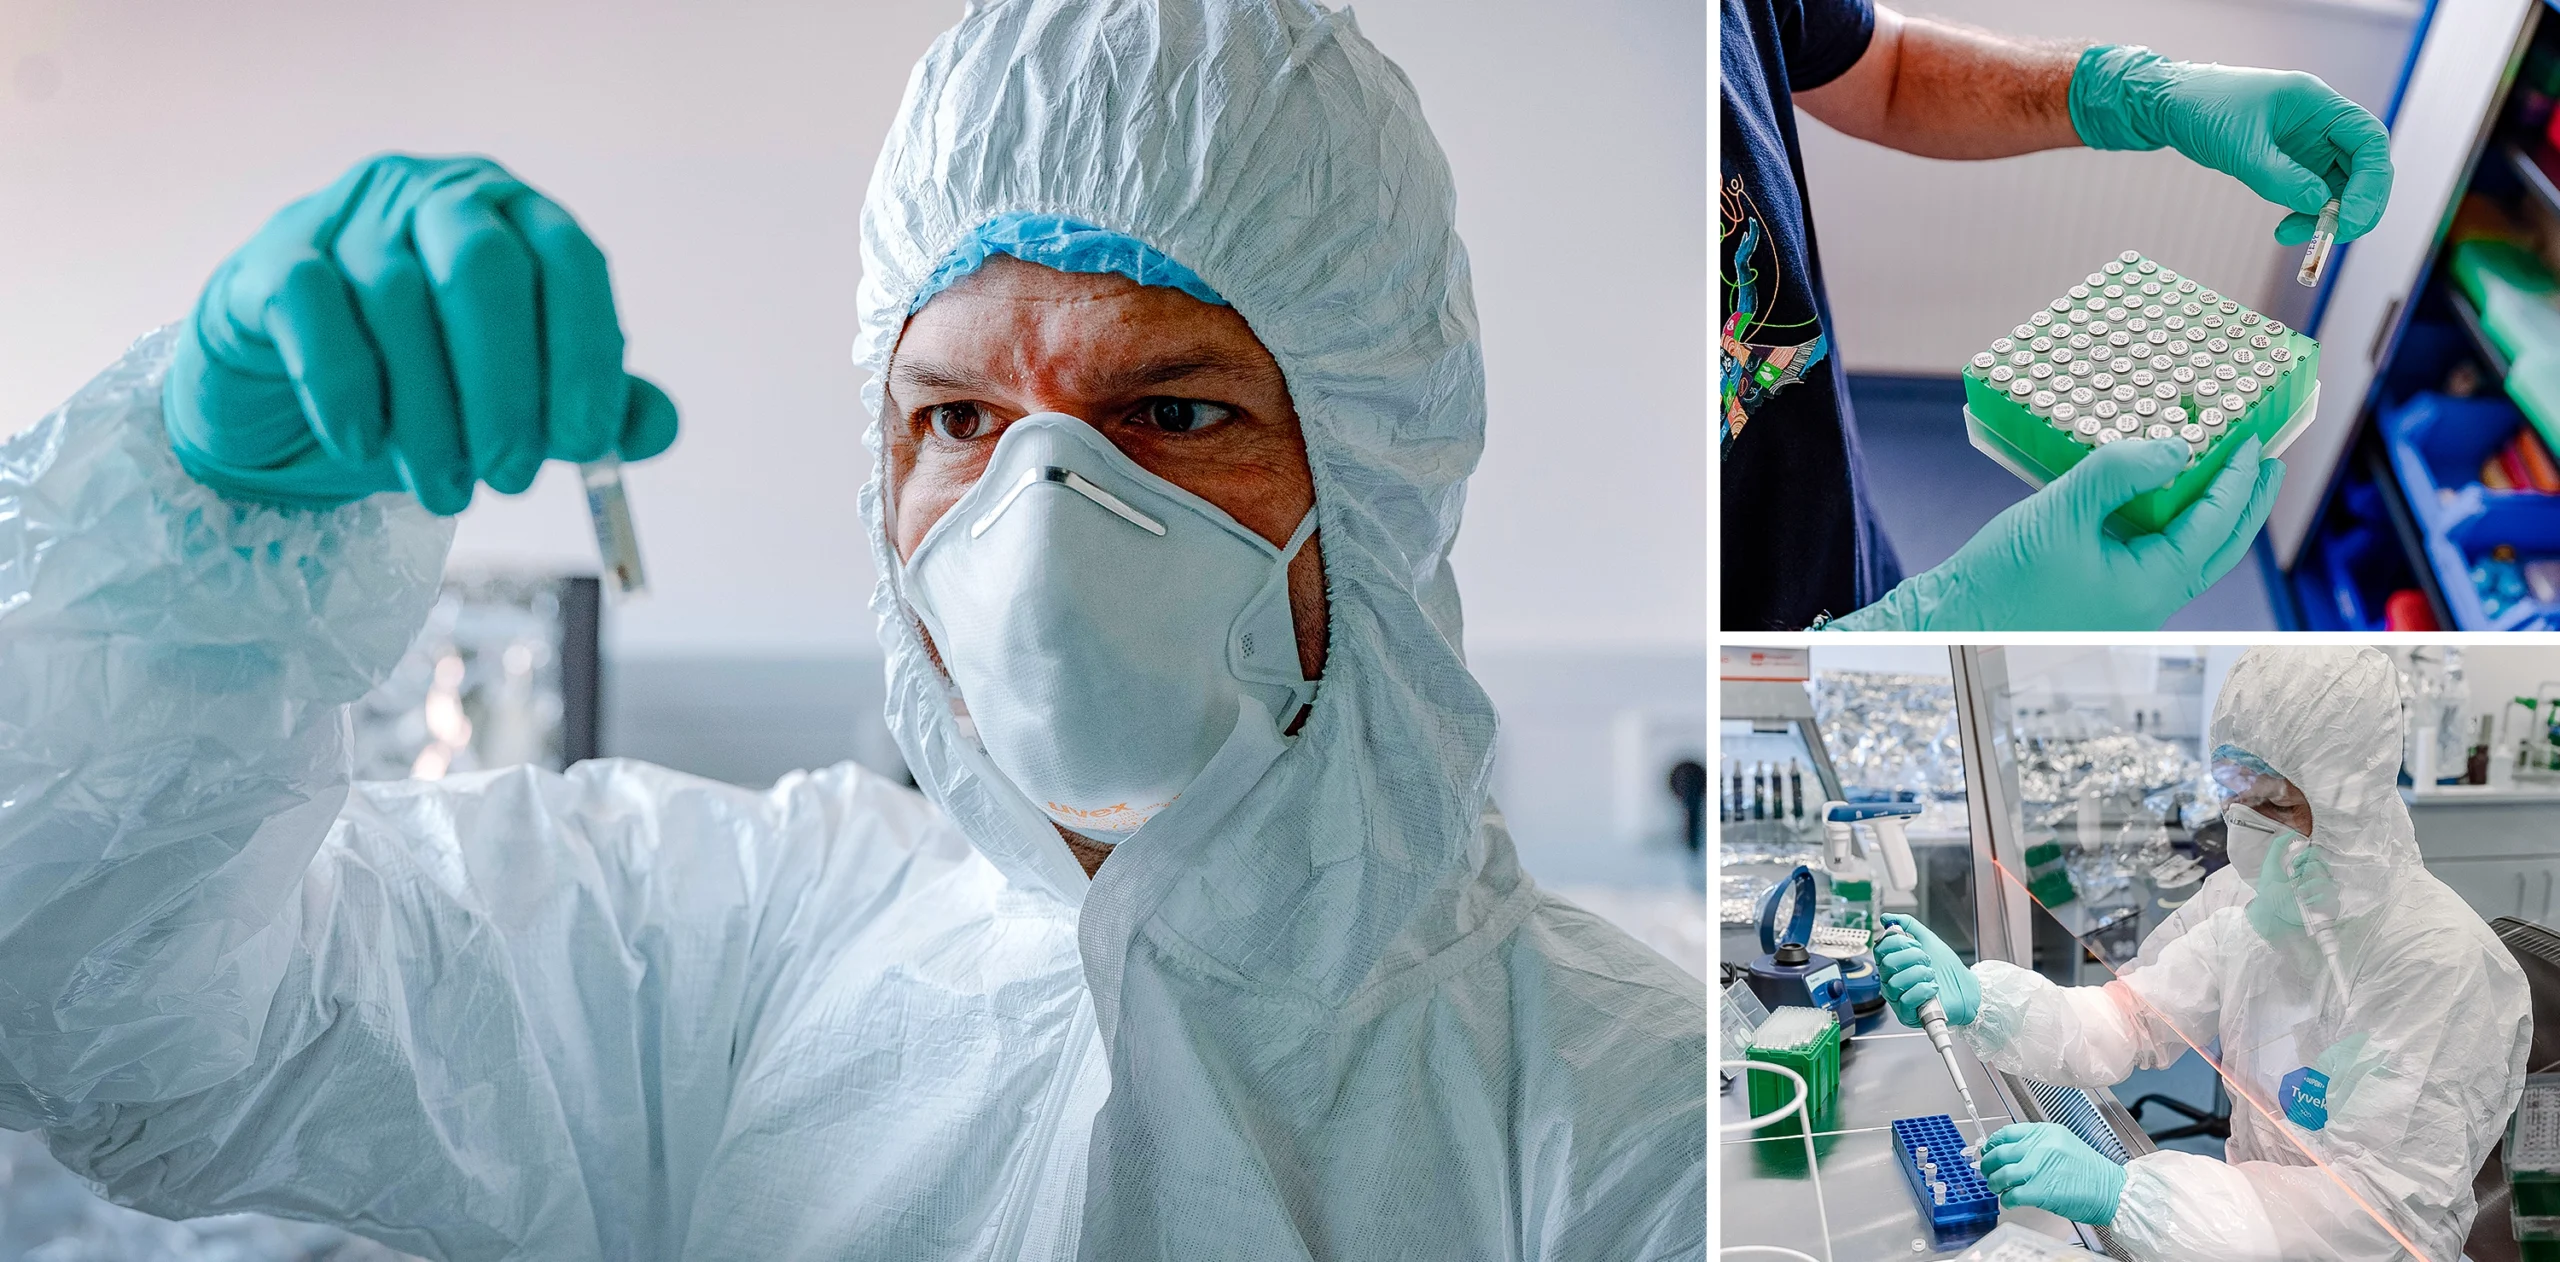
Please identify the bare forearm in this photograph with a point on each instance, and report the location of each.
(1946, 91)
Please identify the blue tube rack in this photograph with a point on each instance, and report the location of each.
(1971, 1210)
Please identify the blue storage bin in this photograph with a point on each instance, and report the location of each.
(1971, 1209)
(2437, 443)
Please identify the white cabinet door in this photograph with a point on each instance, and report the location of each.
(2470, 50)
(2528, 889)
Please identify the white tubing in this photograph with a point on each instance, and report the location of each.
(1813, 1170)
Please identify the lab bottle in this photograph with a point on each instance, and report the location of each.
(1795, 785)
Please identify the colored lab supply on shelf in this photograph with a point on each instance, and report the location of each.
(2137, 351)
(1953, 1200)
(2436, 445)
(2512, 292)
(1807, 1041)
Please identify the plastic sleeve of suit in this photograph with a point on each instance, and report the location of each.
(492, 1016)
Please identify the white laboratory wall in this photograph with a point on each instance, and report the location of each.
(1926, 260)
(720, 154)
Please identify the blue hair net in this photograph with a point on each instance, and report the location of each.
(1068, 245)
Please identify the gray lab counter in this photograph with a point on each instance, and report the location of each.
(1887, 1074)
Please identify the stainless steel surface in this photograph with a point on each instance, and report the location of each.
(1893, 1073)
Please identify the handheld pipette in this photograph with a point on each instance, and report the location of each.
(616, 540)
(1933, 1021)
(2324, 237)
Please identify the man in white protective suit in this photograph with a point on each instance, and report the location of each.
(1204, 938)
(2372, 1029)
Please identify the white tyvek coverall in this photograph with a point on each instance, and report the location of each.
(1313, 1011)
(2424, 1051)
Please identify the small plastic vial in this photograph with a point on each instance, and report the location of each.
(2123, 392)
(2061, 383)
(2064, 413)
(2200, 360)
(2173, 416)
(2112, 292)
(2247, 386)
(2004, 374)
(2212, 319)
(2041, 402)
(2176, 346)
(2219, 346)
(1985, 360)
(2128, 424)
(2119, 338)
(2085, 396)
(2088, 429)
(2081, 341)
(2211, 418)
(2059, 355)
(2039, 320)
(2281, 354)
(2130, 257)
(2104, 409)
(2079, 315)
(2003, 345)
(2120, 365)
(2186, 286)
(2173, 322)
(2106, 436)
(2275, 328)
(2095, 278)
(2145, 407)
(2103, 380)
(2224, 372)
(2142, 378)
(2154, 311)
(2164, 390)
(2020, 359)
(2138, 324)
(2161, 431)
(2182, 374)
(2077, 292)
(2191, 309)
(2040, 370)
(2208, 388)
(2151, 289)
(2020, 388)
(2246, 317)
(2058, 305)
(2264, 370)
(2023, 332)
(2039, 344)
(2146, 267)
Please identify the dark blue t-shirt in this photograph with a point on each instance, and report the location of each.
(1799, 541)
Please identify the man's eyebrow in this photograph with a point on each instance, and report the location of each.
(916, 375)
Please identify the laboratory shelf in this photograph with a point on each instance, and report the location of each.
(2436, 444)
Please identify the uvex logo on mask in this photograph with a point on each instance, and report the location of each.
(1117, 817)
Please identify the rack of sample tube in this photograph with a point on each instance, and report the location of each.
(2137, 351)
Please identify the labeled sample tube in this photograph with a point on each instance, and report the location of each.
(2324, 237)
(616, 540)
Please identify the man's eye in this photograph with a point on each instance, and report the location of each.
(957, 422)
(1183, 416)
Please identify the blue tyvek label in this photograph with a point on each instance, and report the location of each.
(2304, 1094)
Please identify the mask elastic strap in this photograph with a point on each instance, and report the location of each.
(1298, 538)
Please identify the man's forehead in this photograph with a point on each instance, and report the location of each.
(1013, 322)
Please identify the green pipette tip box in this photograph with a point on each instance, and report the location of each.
(1806, 1040)
(2117, 345)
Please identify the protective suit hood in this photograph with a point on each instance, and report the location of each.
(1268, 148)
(2329, 720)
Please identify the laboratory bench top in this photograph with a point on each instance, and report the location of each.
(1886, 1074)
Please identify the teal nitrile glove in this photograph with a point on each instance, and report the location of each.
(1922, 967)
(2293, 876)
(423, 324)
(2045, 1165)
(2047, 563)
(2288, 136)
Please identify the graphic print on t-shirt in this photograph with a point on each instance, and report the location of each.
(1763, 351)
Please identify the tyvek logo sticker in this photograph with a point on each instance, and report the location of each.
(2304, 1094)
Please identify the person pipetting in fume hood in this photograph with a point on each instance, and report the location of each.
(1802, 547)
(1203, 940)
(2372, 1029)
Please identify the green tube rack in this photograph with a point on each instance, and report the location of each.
(1806, 1040)
(2245, 375)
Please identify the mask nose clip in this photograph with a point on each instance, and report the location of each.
(1073, 481)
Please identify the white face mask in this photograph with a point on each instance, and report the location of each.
(1105, 627)
(2250, 835)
